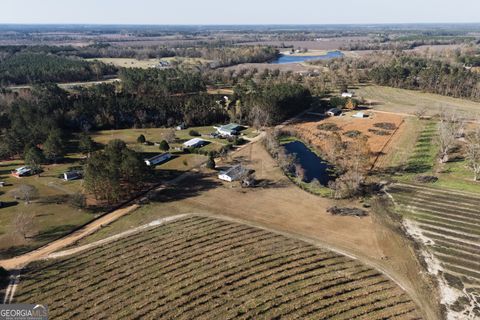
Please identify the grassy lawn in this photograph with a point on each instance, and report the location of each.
(53, 215)
(409, 101)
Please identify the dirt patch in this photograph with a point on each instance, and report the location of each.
(309, 131)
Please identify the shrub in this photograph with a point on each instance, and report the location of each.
(385, 125)
(210, 163)
(194, 133)
(353, 134)
(328, 127)
(141, 139)
(379, 132)
(164, 146)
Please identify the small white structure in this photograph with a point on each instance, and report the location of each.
(334, 112)
(181, 126)
(22, 172)
(347, 95)
(72, 175)
(195, 143)
(158, 159)
(2, 184)
(360, 115)
(232, 174)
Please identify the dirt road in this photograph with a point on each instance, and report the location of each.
(22, 260)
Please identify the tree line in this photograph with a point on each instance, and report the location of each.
(27, 68)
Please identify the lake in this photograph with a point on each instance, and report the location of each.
(314, 166)
(285, 58)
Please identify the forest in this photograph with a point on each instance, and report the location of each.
(28, 68)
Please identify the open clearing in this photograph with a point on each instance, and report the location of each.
(310, 132)
(204, 268)
(409, 101)
(449, 229)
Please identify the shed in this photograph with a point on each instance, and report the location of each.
(159, 158)
(233, 174)
(360, 115)
(22, 172)
(195, 143)
(72, 175)
(347, 95)
(334, 112)
(181, 126)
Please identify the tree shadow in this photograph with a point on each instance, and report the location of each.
(55, 233)
(193, 185)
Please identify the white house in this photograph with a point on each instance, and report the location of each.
(195, 143)
(347, 95)
(158, 159)
(229, 130)
(232, 174)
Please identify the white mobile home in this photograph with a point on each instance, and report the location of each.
(232, 174)
(158, 159)
(195, 143)
(347, 95)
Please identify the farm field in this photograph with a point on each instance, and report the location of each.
(409, 101)
(447, 225)
(149, 63)
(311, 133)
(204, 268)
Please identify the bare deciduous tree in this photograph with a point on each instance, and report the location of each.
(450, 127)
(473, 152)
(169, 136)
(25, 192)
(23, 224)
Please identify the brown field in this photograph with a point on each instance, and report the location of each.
(320, 44)
(377, 143)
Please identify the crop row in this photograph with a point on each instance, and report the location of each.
(204, 268)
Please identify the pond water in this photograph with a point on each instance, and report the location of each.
(285, 58)
(314, 166)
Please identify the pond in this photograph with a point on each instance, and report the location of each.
(285, 58)
(314, 166)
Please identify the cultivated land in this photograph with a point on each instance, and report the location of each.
(149, 63)
(281, 205)
(310, 132)
(205, 268)
(409, 101)
(447, 224)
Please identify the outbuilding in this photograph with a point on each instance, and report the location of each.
(153, 161)
(22, 172)
(233, 174)
(347, 95)
(72, 175)
(334, 112)
(195, 143)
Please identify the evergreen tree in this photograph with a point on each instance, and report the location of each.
(34, 157)
(164, 146)
(54, 148)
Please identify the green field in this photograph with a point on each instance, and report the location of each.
(53, 215)
(203, 268)
(409, 101)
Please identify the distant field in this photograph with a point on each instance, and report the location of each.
(447, 223)
(408, 101)
(150, 63)
(205, 268)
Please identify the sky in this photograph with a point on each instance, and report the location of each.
(237, 12)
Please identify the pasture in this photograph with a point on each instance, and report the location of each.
(204, 268)
(52, 213)
(447, 224)
(410, 102)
